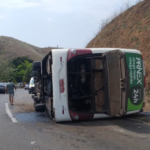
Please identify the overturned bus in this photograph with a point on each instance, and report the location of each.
(92, 83)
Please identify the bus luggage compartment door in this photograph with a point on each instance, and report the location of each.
(115, 82)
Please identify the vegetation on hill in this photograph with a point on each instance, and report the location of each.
(16, 58)
(11, 48)
(19, 70)
(130, 29)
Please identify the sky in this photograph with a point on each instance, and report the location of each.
(52, 23)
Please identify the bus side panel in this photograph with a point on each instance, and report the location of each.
(136, 81)
(60, 90)
(102, 116)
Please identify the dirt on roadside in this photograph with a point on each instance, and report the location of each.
(23, 102)
(147, 102)
(20, 107)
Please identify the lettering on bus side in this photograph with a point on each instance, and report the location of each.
(139, 71)
(136, 78)
(136, 95)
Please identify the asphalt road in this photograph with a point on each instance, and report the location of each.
(35, 131)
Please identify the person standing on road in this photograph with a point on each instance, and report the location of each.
(10, 90)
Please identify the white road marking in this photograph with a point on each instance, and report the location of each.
(33, 142)
(10, 114)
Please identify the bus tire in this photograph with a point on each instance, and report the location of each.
(36, 65)
(39, 107)
(34, 73)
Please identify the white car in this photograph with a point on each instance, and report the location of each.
(26, 87)
(31, 86)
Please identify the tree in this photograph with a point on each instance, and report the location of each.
(17, 61)
(7, 74)
(19, 69)
(27, 74)
(23, 71)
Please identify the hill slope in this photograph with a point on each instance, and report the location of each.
(130, 29)
(11, 48)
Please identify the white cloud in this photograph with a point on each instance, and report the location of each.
(83, 8)
(1, 16)
(49, 5)
(18, 4)
(49, 19)
(63, 6)
(77, 17)
(57, 6)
